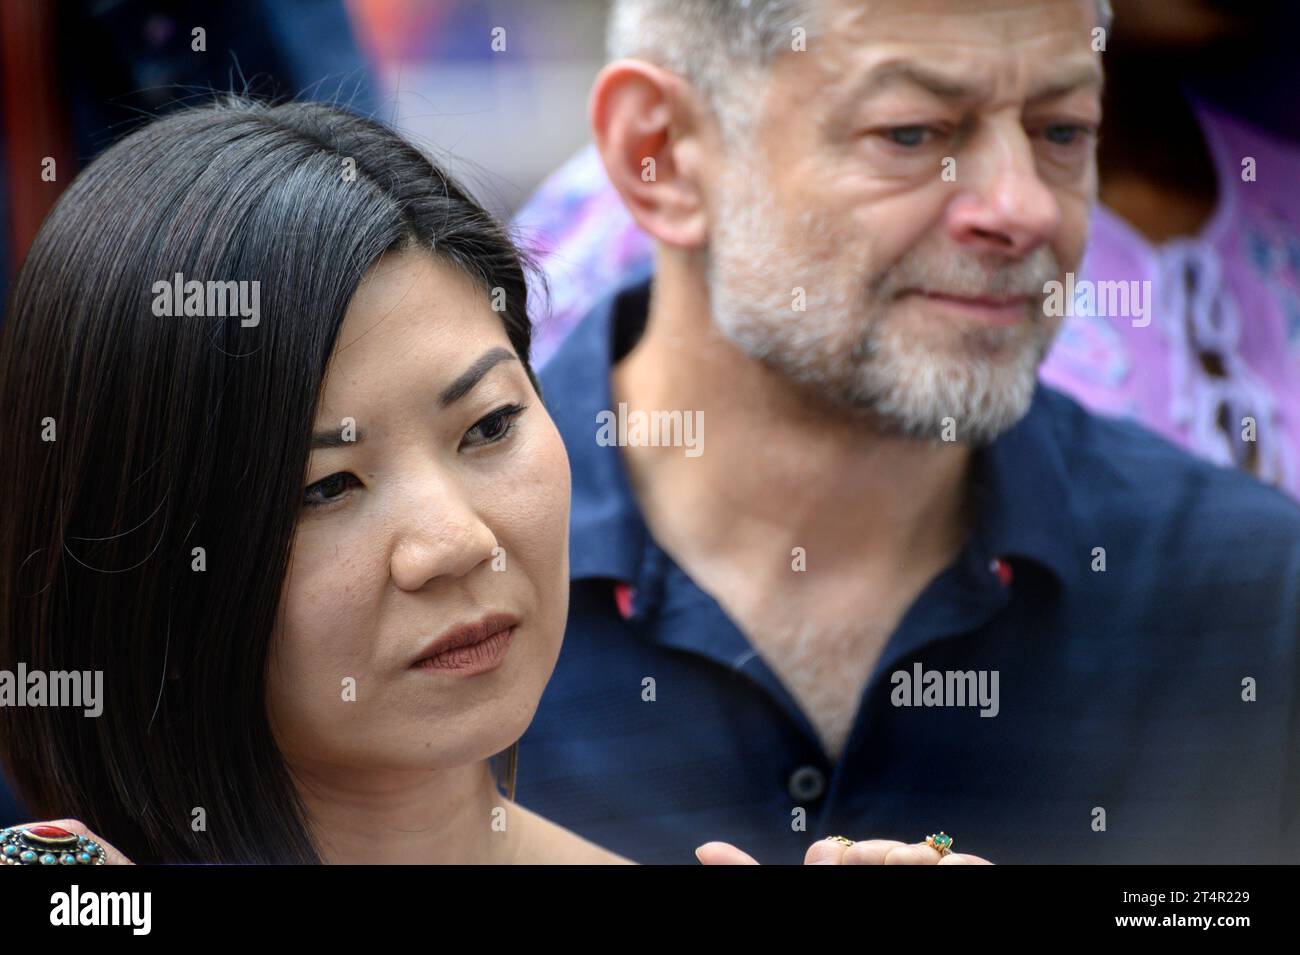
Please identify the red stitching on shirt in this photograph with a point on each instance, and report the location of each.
(623, 598)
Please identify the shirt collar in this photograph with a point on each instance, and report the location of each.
(1020, 489)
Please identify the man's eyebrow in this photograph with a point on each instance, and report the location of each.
(1086, 75)
(904, 72)
(470, 376)
(901, 72)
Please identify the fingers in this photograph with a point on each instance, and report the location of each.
(831, 851)
(869, 851)
(825, 852)
(111, 855)
(915, 854)
(883, 852)
(723, 853)
(922, 854)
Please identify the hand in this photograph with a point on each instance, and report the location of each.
(884, 852)
(111, 855)
(832, 852)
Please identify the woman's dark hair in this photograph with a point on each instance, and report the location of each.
(172, 433)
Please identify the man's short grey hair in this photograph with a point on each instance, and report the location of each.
(719, 45)
(716, 44)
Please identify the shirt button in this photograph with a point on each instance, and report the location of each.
(806, 784)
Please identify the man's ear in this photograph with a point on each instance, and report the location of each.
(648, 124)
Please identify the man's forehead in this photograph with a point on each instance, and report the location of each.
(1008, 16)
(952, 20)
(958, 47)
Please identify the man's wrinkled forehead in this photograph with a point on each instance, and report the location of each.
(959, 48)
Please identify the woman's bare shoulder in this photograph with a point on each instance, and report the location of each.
(547, 843)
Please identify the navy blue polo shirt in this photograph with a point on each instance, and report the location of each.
(1146, 712)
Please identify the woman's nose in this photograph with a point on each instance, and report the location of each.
(440, 534)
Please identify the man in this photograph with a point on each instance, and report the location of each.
(879, 581)
(1194, 172)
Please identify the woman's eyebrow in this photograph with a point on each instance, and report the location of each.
(323, 440)
(471, 375)
(458, 389)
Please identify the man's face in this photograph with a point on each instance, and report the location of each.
(915, 177)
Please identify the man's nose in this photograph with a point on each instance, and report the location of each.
(1005, 206)
(440, 534)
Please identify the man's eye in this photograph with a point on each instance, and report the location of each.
(1065, 134)
(329, 489)
(909, 135)
(494, 427)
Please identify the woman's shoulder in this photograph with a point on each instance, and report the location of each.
(545, 842)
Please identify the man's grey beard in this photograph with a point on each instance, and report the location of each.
(842, 351)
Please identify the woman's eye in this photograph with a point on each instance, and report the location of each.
(494, 427)
(329, 489)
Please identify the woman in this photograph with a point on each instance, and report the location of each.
(267, 570)
(278, 469)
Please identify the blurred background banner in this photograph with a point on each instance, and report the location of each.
(497, 89)
(470, 80)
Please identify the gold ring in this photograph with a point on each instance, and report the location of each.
(842, 840)
(941, 843)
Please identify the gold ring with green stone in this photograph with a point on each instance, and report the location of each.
(942, 843)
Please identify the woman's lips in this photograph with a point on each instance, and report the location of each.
(479, 655)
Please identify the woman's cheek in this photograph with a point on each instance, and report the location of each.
(527, 507)
(317, 658)
(539, 515)
(553, 489)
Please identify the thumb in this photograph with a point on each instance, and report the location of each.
(723, 853)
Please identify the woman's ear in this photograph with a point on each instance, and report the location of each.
(649, 125)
